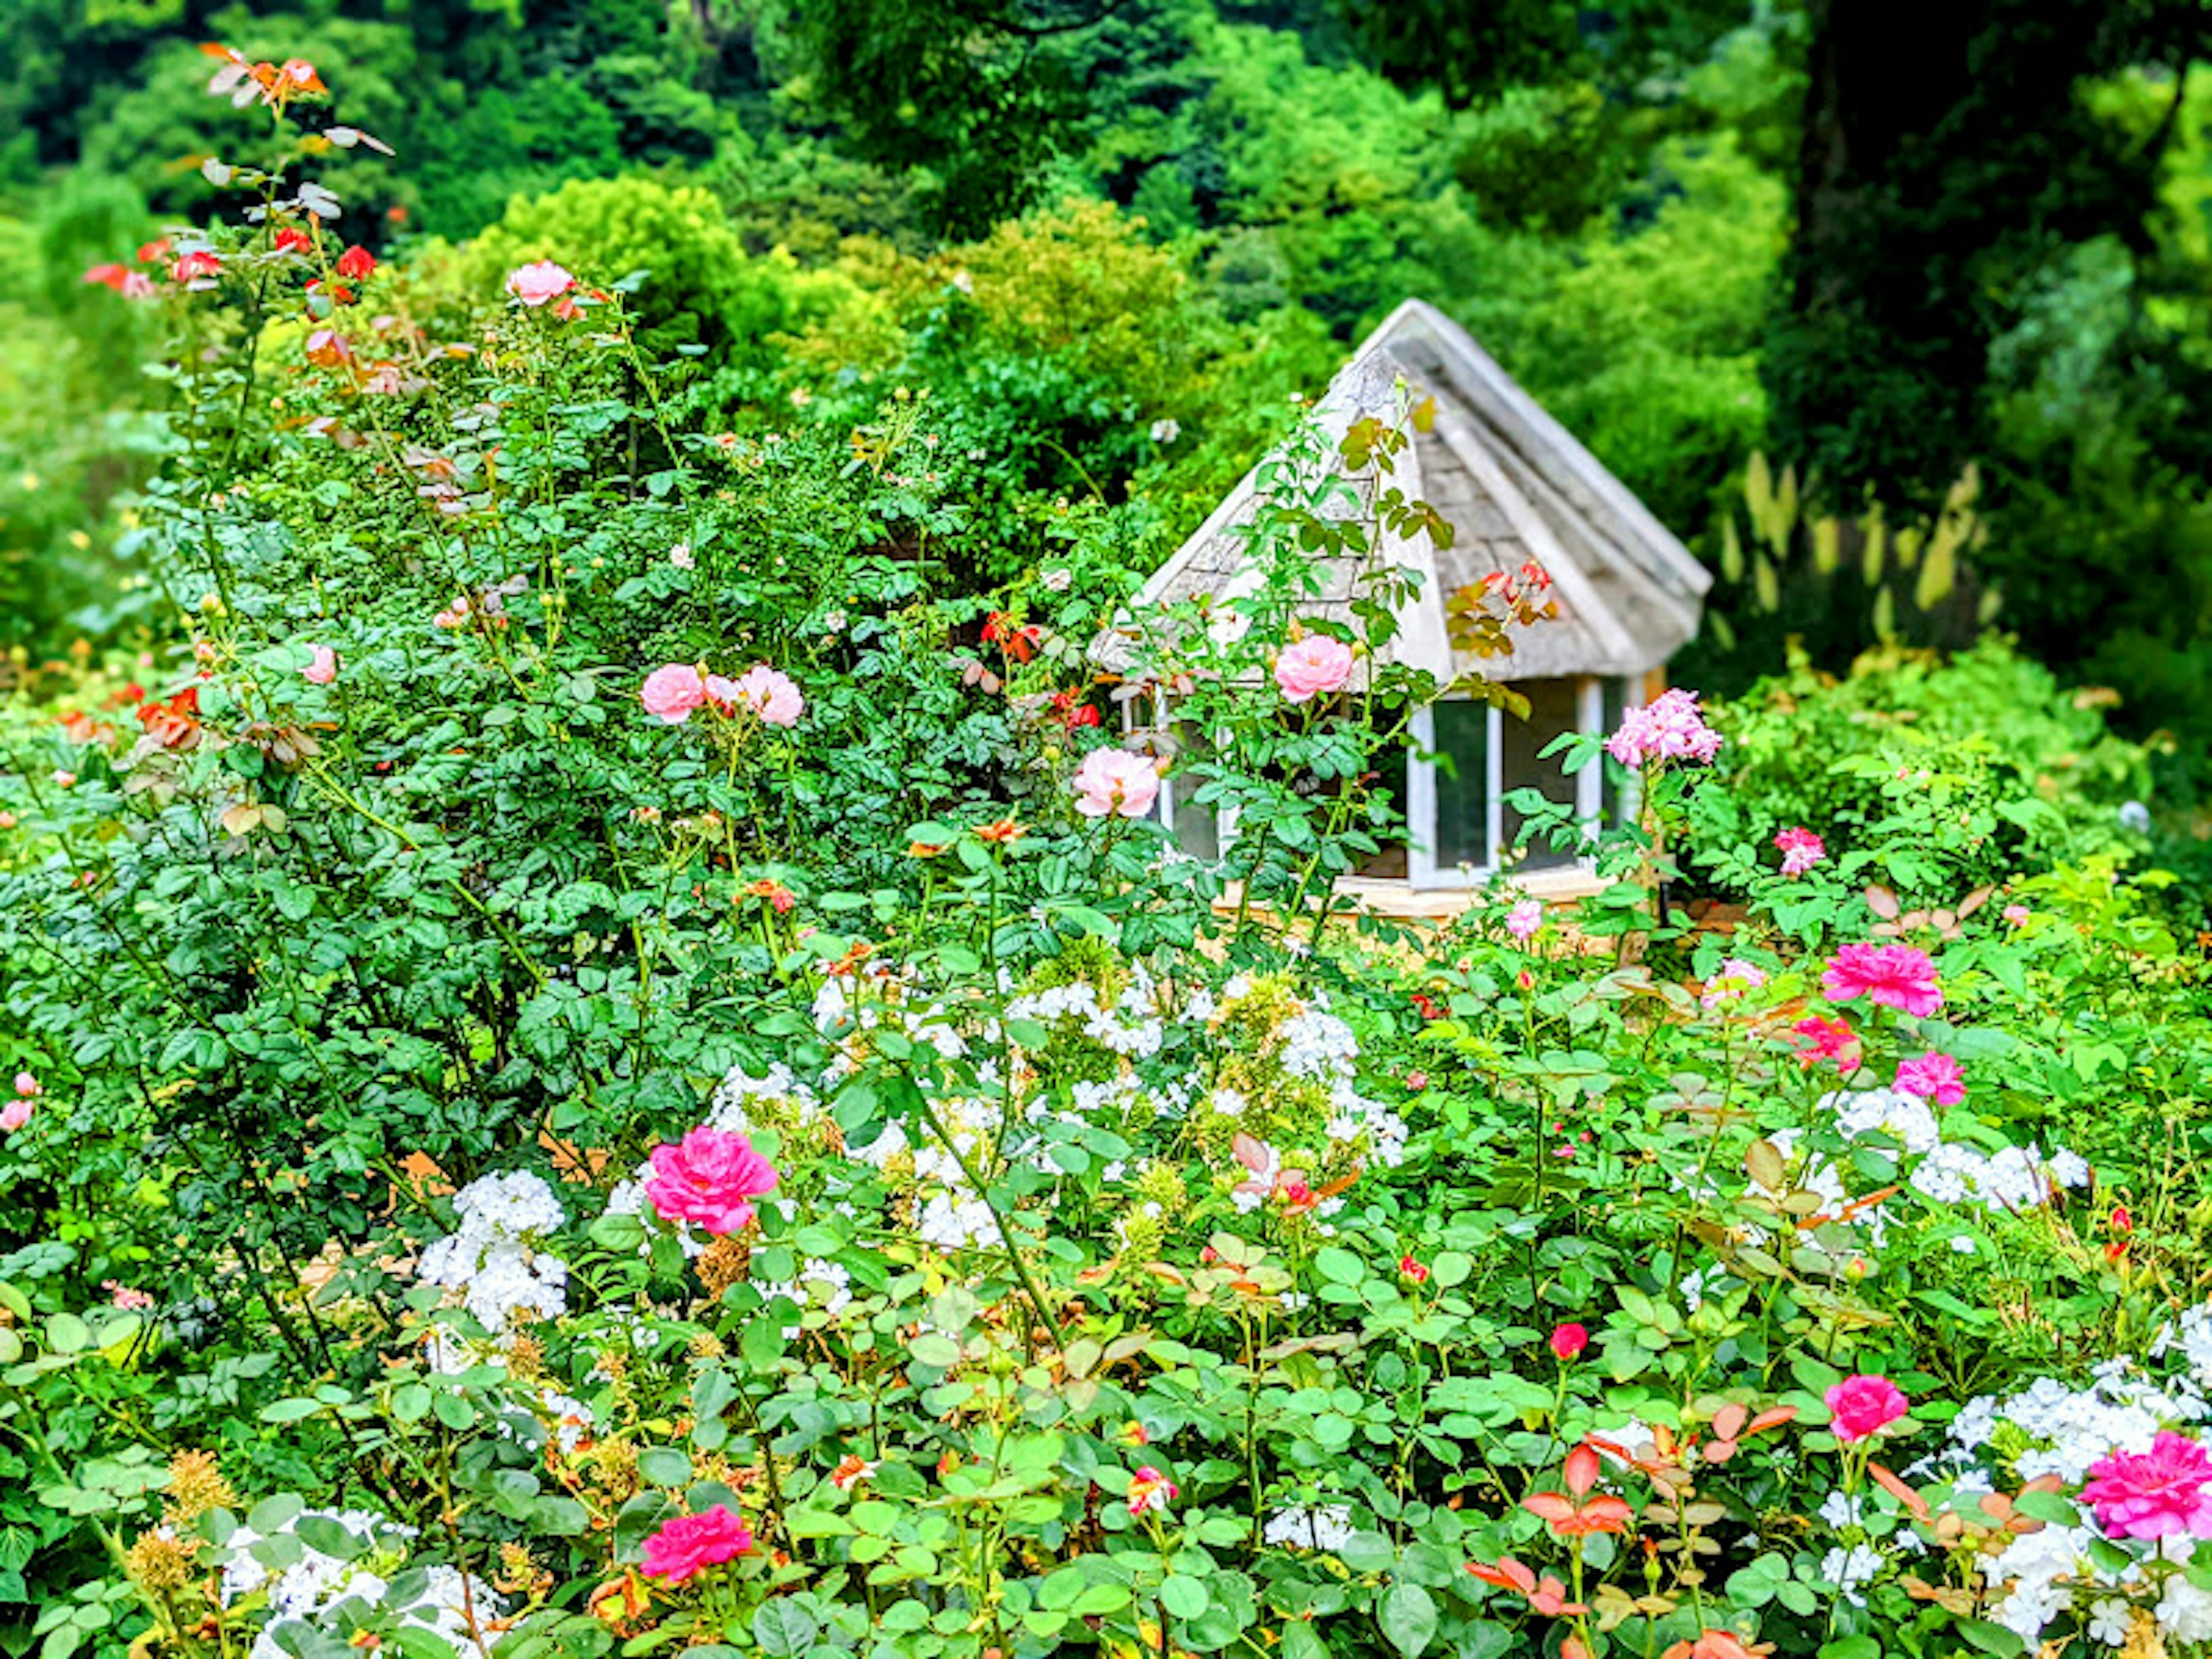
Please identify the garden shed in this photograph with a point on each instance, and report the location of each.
(1517, 487)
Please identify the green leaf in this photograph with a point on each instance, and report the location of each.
(1186, 1598)
(664, 1466)
(783, 1628)
(940, 1352)
(1407, 1615)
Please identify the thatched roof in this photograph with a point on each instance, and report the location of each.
(1515, 487)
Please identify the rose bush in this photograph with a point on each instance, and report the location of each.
(609, 1063)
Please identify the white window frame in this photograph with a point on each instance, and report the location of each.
(1422, 871)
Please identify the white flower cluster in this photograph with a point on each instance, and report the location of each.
(2070, 1428)
(2049, 1572)
(1131, 1028)
(731, 1109)
(309, 1594)
(2192, 1336)
(2066, 1429)
(497, 1262)
(1310, 1526)
(2012, 1179)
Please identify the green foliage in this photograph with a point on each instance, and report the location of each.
(1929, 776)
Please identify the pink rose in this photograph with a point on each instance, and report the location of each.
(708, 1177)
(27, 1085)
(1829, 1039)
(690, 1543)
(1669, 727)
(14, 1115)
(324, 669)
(1312, 665)
(673, 692)
(1932, 1076)
(1895, 976)
(1569, 1340)
(1861, 1406)
(1801, 850)
(1734, 978)
(535, 284)
(2016, 915)
(1115, 781)
(770, 695)
(2165, 1493)
(1524, 919)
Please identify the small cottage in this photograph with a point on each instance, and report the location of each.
(1517, 487)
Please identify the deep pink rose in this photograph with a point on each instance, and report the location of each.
(691, 1544)
(535, 284)
(2165, 1493)
(674, 691)
(1312, 665)
(1115, 781)
(1896, 976)
(324, 669)
(1861, 1406)
(1933, 1077)
(1801, 850)
(771, 695)
(1569, 1340)
(708, 1177)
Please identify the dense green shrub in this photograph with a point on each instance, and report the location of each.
(1930, 774)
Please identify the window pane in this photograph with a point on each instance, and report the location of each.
(1462, 796)
(1197, 829)
(1552, 712)
(1617, 692)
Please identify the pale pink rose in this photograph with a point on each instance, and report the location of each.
(1734, 978)
(1524, 919)
(1670, 727)
(770, 695)
(2016, 915)
(673, 691)
(27, 1086)
(14, 1115)
(1313, 666)
(324, 669)
(1115, 781)
(124, 1296)
(680, 557)
(535, 284)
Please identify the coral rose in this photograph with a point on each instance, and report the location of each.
(1115, 781)
(1313, 666)
(709, 1178)
(1861, 1406)
(688, 1545)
